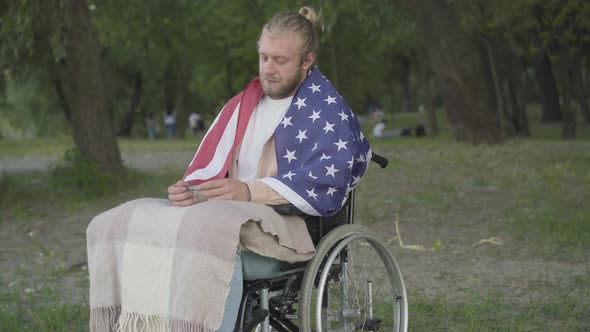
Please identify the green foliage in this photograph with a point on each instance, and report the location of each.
(32, 34)
(531, 25)
(207, 50)
(30, 110)
(79, 173)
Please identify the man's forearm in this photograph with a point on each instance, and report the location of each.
(263, 194)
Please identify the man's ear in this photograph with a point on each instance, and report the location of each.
(308, 61)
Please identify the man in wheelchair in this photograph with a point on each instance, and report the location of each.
(288, 141)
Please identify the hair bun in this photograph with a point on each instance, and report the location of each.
(309, 13)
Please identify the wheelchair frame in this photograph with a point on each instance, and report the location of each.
(269, 302)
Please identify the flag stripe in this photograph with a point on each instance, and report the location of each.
(290, 195)
(223, 137)
(207, 150)
(220, 155)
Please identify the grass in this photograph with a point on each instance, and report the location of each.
(533, 193)
(562, 308)
(39, 310)
(57, 146)
(535, 189)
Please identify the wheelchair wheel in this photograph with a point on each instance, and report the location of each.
(353, 284)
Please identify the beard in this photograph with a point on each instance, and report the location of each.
(281, 89)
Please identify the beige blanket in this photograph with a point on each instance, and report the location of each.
(156, 267)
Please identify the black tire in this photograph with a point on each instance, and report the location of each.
(338, 249)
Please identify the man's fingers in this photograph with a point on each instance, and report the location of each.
(225, 189)
(178, 187)
(186, 202)
(213, 193)
(180, 196)
(212, 184)
(226, 197)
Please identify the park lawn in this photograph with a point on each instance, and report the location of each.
(58, 145)
(531, 193)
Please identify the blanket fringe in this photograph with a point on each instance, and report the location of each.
(104, 319)
(110, 319)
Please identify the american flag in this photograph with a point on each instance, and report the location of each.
(321, 151)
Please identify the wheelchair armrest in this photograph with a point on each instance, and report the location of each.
(380, 160)
(288, 209)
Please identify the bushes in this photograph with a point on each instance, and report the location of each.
(82, 175)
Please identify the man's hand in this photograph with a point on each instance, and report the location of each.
(179, 195)
(227, 189)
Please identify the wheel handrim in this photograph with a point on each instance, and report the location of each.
(360, 308)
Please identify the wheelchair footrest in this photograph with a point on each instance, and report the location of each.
(370, 324)
(283, 306)
(258, 316)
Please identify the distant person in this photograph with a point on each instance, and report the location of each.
(150, 124)
(170, 122)
(375, 113)
(379, 130)
(195, 121)
(420, 131)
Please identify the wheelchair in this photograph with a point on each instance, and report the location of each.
(353, 283)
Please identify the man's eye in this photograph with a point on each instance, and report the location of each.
(281, 61)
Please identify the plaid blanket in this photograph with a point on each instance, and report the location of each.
(156, 267)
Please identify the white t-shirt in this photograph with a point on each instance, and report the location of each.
(193, 119)
(169, 118)
(263, 122)
(378, 129)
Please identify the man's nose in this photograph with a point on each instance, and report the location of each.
(268, 67)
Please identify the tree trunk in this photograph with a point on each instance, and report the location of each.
(514, 93)
(520, 119)
(93, 128)
(520, 84)
(430, 108)
(551, 110)
(584, 74)
(457, 62)
(180, 103)
(427, 96)
(565, 73)
(580, 90)
(501, 107)
(3, 87)
(405, 84)
(126, 125)
(63, 100)
(333, 62)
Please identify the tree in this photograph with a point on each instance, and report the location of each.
(57, 41)
(93, 127)
(551, 110)
(456, 59)
(555, 34)
(503, 62)
(564, 34)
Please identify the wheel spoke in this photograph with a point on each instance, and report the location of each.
(353, 305)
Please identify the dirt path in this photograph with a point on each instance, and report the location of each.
(143, 161)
